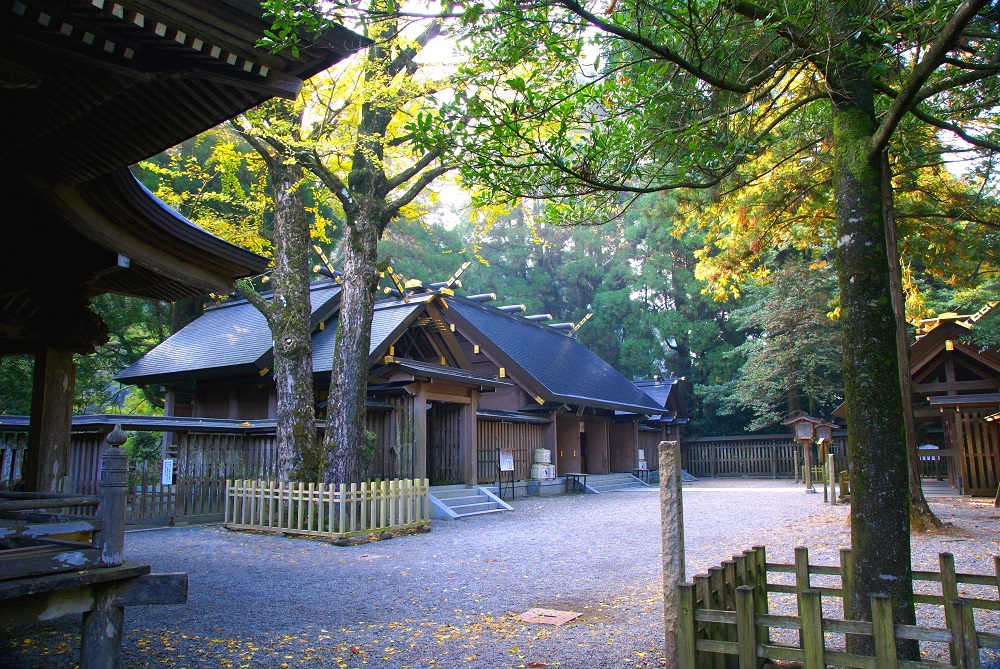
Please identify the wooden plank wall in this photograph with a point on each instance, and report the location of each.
(397, 439)
(13, 446)
(521, 438)
(204, 463)
(760, 455)
(444, 428)
(85, 449)
(650, 443)
(981, 466)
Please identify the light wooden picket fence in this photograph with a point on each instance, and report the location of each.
(326, 510)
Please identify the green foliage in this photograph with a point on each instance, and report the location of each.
(792, 350)
(16, 373)
(143, 446)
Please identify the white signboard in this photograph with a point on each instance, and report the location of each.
(642, 465)
(642, 454)
(506, 460)
(167, 476)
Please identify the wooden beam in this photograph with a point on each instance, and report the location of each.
(927, 388)
(169, 588)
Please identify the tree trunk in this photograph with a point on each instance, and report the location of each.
(297, 450)
(880, 500)
(922, 518)
(345, 441)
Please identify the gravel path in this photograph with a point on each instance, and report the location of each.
(451, 597)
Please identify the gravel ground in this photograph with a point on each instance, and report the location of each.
(451, 597)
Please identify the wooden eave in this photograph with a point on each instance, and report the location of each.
(426, 322)
(90, 87)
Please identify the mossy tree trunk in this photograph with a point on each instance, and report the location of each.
(880, 500)
(288, 314)
(922, 518)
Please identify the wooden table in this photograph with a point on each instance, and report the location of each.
(579, 481)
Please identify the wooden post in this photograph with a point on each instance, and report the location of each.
(884, 633)
(746, 634)
(801, 581)
(760, 585)
(795, 457)
(687, 654)
(101, 636)
(846, 570)
(811, 634)
(110, 539)
(965, 645)
(46, 460)
(949, 591)
(672, 543)
(807, 461)
(831, 479)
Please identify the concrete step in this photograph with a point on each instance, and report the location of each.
(457, 501)
(461, 500)
(601, 483)
(455, 494)
(477, 507)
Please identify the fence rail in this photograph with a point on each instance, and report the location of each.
(724, 620)
(327, 510)
(766, 455)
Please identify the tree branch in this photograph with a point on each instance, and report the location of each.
(932, 59)
(392, 208)
(663, 52)
(413, 170)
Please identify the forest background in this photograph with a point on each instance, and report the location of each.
(751, 349)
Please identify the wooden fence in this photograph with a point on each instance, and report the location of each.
(326, 510)
(203, 462)
(766, 455)
(724, 620)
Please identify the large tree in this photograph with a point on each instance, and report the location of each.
(358, 143)
(681, 95)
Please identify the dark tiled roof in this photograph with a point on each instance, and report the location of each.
(389, 319)
(658, 389)
(559, 368)
(232, 338)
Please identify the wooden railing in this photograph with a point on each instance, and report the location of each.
(54, 564)
(326, 510)
(724, 620)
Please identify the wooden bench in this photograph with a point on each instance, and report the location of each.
(55, 564)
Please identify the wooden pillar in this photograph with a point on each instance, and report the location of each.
(549, 440)
(46, 464)
(469, 449)
(960, 459)
(672, 544)
(420, 444)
